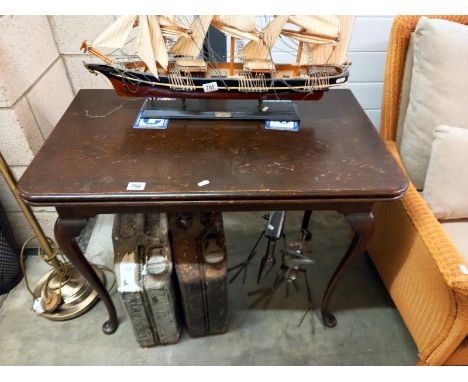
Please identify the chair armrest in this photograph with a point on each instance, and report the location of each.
(444, 252)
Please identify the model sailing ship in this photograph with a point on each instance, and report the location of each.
(167, 62)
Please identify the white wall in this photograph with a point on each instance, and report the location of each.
(368, 51)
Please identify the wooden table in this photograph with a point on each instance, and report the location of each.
(336, 161)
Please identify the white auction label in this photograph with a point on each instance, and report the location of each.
(136, 186)
(38, 305)
(210, 87)
(128, 277)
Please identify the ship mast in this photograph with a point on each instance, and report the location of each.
(170, 27)
(237, 26)
(116, 34)
(314, 29)
(150, 45)
(333, 53)
(190, 44)
(258, 53)
(322, 40)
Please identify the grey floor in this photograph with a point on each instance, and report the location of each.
(369, 332)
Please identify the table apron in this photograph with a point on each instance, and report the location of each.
(90, 210)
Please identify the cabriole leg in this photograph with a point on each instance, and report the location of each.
(362, 225)
(66, 232)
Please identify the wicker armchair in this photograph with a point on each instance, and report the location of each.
(414, 257)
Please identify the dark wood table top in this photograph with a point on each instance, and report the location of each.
(336, 153)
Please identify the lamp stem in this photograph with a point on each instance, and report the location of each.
(11, 183)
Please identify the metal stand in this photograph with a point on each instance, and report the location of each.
(288, 274)
(64, 292)
(28, 214)
(269, 257)
(273, 232)
(200, 109)
(74, 296)
(294, 256)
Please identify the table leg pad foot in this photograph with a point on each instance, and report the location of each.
(329, 320)
(109, 328)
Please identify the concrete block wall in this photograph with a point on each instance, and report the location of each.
(34, 93)
(41, 69)
(69, 32)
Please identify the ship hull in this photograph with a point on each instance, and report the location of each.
(130, 83)
(131, 90)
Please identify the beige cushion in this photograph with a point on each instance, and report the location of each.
(458, 233)
(438, 93)
(446, 186)
(405, 89)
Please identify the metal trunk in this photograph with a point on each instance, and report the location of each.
(200, 261)
(143, 268)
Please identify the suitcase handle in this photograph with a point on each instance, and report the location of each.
(213, 252)
(156, 262)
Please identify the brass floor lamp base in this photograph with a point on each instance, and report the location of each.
(65, 299)
(77, 295)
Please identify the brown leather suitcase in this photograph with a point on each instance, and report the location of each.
(199, 253)
(144, 272)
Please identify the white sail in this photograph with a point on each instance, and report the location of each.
(165, 20)
(170, 27)
(304, 36)
(145, 46)
(236, 26)
(261, 50)
(341, 50)
(157, 42)
(191, 44)
(319, 54)
(116, 34)
(244, 23)
(316, 54)
(325, 27)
